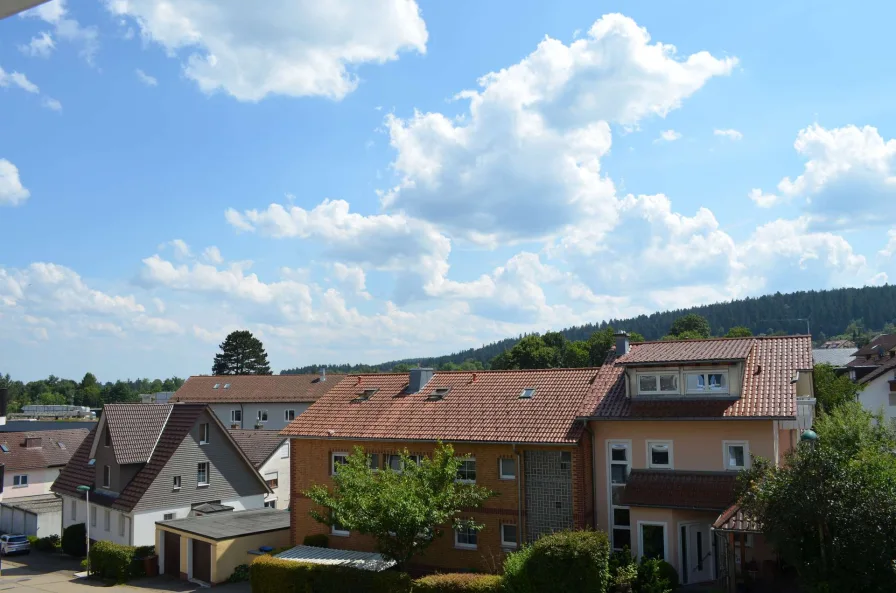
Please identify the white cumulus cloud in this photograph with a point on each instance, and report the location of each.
(669, 136)
(289, 48)
(12, 192)
(146, 78)
(40, 46)
(729, 133)
(65, 28)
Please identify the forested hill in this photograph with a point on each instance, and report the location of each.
(828, 312)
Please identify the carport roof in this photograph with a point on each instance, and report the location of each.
(220, 526)
(42, 503)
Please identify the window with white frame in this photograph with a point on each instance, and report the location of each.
(289, 415)
(204, 433)
(107, 520)
(169, 516)
(467, 471)
(337, 459)
(394, 461)
(74, 510)
(659, 454)
(466, 538)
(652, 539)
(107, 476)
(272, 479)
(270, 504)
(657, 383)
(20, 481)
(284, 450)
(93, 516)
(202, 478)
(338, 529)
(176, 482)
(508, 535)
(261, 416)
(236, 416)
(619, 460)
(737, 454)
(715, 381)
(507, 468)
(121, 529)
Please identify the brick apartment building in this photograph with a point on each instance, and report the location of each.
(517, 430)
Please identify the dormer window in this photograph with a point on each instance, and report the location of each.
(657, 383)
(440, 393)
(707, 382)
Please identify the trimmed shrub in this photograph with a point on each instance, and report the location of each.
(651, 578)
(459, 583)
(318, 540)
(74, 540)
(50, 543)
(113, 561)
(273, 575)
(563, 562)
(240, 574)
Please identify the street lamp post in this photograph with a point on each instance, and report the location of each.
(86, 491)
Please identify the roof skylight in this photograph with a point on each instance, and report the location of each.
(92, 462)
(227, 386)
(4, 447)
(216, 385)
(61, 445)
(527, 393)
(366, 394)
(439, 393)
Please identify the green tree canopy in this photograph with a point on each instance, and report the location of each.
(690, 325)
(831, 390)
(241, 354)
(739, 331)
(404, 510)
(830, 509)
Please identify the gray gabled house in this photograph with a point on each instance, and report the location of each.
(155, 462)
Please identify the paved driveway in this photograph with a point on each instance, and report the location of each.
(40, 572)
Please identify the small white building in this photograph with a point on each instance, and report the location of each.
(269, 453)
(879, 392)
(31, 460)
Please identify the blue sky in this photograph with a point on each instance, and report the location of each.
(390, 178)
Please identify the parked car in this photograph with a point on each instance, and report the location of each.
(14, 544)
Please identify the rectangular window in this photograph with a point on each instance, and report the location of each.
(270, 504)
(272, 479)
(619, 454)
(202, 474)
(707, 382)
(107, 520)
(653, 383)
(466, 538)
(236, 416)
(177, 482)
(565, 460)
(374, 461)
(169, 516)
(508, 536)
(284, 450)
(394, 461)
(204, 433)
(653, 540)
(467, 471)
(20, 481)
(121, 529)
(659, 454)
(107, 476)
(737, 455)
(93, 516)
(339, 529)
(337, 459)
(107, 438)
(74, 510)
(289, 415)
(262, 416)
(507, 469)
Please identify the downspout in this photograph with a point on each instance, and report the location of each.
(519, 495)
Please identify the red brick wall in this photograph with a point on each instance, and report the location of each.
(311, 465)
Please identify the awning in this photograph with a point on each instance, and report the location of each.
(736, 521)
(670, 489)
(363, 560)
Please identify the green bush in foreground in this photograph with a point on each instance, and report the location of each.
(113, 561)
(563, 562)
(74, 540)
(459, 583)
(273, 575)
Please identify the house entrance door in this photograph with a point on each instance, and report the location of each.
(696, 553)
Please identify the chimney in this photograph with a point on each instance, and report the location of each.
(323, 373)
(33, 442)
(418, 379)
(4, 395)
(621, 343)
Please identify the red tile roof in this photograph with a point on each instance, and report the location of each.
(255, 388)
(768, 392)
(49, 454)
(135, 429)
(672, 489)
(734, 519)
(481, 406)
(672, 351)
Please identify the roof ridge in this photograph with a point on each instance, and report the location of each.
(479, 372)
(720, 339)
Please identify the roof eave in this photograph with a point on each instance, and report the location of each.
(654, 363)
(567, 443)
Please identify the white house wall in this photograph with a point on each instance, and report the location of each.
(276, 413)
(39, 482)
(279, 464)
(876, 396)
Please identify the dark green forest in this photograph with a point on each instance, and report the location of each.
(853, 313)
(87, 392)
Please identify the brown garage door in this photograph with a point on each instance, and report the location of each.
(172, 554)
(202, 561)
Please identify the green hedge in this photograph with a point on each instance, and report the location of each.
(45, 544)
(113, 561)
(459, 583)
(74, 540)
(563, 562)
(273, 575)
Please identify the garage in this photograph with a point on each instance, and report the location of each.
(214, 545)
(171, 546)
(39, 515)
(202, 561)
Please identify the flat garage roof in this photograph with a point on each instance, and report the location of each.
(39, 504)
(219, 526)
